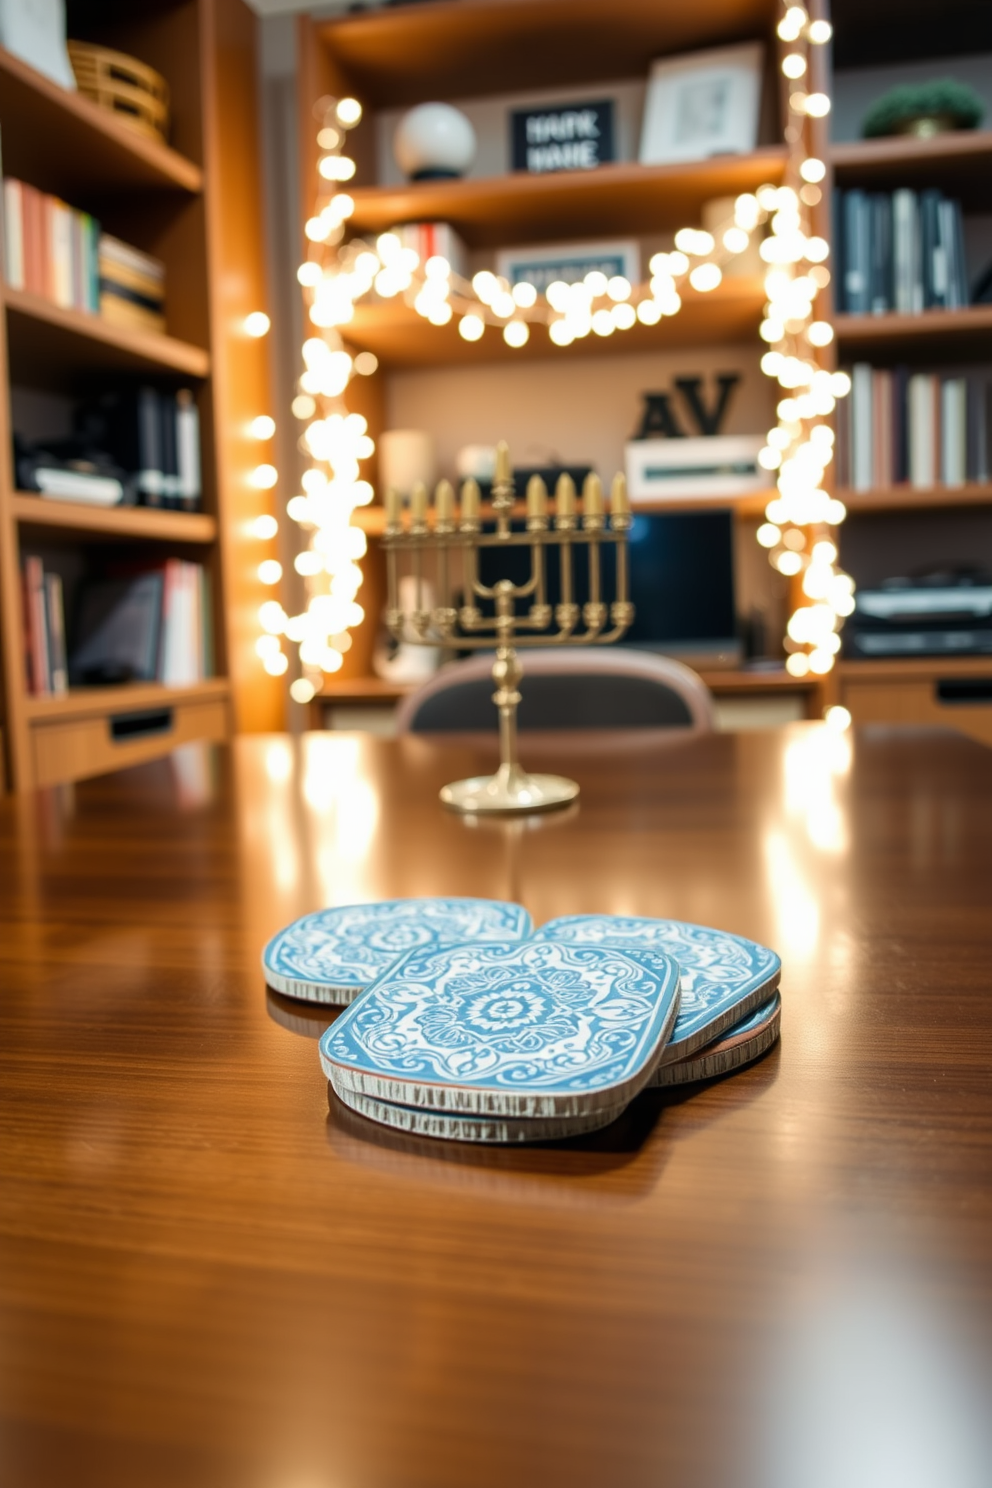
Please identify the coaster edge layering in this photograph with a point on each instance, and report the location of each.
(493, 1130)
(688, 944)
(344, 936)
(520, 1030)
(730, 1052)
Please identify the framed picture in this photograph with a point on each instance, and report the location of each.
(557, 137)
(570, 262)
(701, 105)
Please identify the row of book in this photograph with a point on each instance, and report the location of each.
(901, 251)
(924, 429)
(152, 624)
(132, 445)
(53, 250)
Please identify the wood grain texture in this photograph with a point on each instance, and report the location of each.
(207, 1277)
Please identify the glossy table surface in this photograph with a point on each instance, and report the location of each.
(212, 1275)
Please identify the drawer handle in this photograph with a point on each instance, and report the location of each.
(140, 725)
(965, 690)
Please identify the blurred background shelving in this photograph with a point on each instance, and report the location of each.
(195, 204)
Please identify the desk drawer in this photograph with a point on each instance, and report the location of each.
(73, 748)
(957, 702)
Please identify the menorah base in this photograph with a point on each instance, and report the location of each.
(510, 789)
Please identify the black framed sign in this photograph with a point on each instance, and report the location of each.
(563, 136)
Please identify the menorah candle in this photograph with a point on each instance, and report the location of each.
(503, 473)
(565, 497)
(444, 502)
(592, 495)
(471, 503)
(394, 505)
(537, 497)
(418, 504)
(619, 500)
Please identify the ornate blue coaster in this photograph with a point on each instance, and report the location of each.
(740, 1045)
(724, 976)
(494, 1130)
(528, 1030)
(332, 955)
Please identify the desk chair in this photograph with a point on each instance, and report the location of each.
(593, 689)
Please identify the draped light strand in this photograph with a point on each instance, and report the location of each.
(800, 448)
(337, 275)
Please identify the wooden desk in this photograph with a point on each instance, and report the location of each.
(208, 1279)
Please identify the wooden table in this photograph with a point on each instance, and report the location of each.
(779, 1280)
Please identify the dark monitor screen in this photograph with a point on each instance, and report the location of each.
(681, 576)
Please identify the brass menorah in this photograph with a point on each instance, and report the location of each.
(464, 627)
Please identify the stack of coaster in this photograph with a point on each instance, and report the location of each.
(334, 954)
(504, 1042)
(730, 1010)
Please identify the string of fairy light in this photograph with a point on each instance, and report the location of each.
(342, 270)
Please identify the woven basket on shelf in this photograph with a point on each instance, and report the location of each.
(134, 93)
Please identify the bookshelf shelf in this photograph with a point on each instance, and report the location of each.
(492, 211)
(113, 522)
(902, 497)
(63, 142)
(931, 333)
(436, 50)
(82, 702)
(42, 335)
(401, 338)
(959, 163)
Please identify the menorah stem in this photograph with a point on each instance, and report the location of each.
(507, 672)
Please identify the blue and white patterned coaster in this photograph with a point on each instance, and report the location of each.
(493, 1130)
(740, 1045)
(528, 1030)
(332, 955)
(724, 976)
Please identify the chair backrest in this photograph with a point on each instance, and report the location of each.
(580, 689)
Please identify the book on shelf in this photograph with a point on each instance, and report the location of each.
(150, 624)
(44, 630)
(132, 286)
(49, 249)
(922, 429)
(52, 250)
(132, 445)
(901, 251)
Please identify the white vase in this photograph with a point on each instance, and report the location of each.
(434, 141)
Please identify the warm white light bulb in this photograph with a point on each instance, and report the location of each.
(516, 333)
(349, 112)
(812, 169)
(705, 276)
(269, 571)
(256, 324)
(265, 526)
(817, 105)
(262, 427)
(819, 32)
(793, 65)
(302, 690)
(471, 327)
(264, 477)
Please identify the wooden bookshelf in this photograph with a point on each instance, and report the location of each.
(438, 50)
(959, 163)
(65, 143)
(492, 211)
(397, 56)
(41, 335)
(932, 333)
(195, 204)
(906, 497)
(400, 337)
(119, 523)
